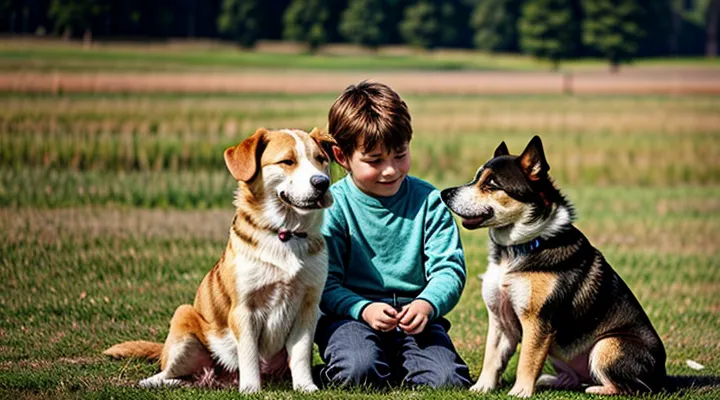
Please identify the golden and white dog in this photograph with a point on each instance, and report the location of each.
(259, 303)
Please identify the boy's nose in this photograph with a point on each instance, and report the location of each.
(389, 170)
(320, 182)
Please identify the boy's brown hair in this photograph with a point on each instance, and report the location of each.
(368, 114)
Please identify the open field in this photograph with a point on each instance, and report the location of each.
(51, 66)
(114, 206)
(35, 54)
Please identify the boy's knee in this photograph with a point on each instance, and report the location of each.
(358, 370)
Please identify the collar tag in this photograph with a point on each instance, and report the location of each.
(284, 235)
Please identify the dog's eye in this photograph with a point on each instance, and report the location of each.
(321, 159)
(492, 185)
(287, 162)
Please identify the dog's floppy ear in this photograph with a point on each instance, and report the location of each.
(323, 138)
(242, 160)
(501, 150)
(532, 160)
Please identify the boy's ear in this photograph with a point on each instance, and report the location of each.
(243, 159)
(532, 160)
(501, 150)
(324, 140)
(340, 157)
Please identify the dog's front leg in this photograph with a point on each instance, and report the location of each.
(300, 341)
(536, 340)
(499, 347)
(246, 332)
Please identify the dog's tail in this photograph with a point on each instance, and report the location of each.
(138, 348)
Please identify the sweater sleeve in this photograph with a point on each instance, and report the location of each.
(336, 298)
(444, 258)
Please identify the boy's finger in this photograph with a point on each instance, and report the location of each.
(419, 328)
(380, 325)
(408, 316)
(411, 323)
(386, 319)
(402, 313)
(390, 311)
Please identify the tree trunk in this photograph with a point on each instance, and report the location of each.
(713, 16)
(87, 39)
(676, 26)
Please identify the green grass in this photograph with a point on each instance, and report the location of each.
(74, 58)
(51, 55)
(605, 140)
(113, 207)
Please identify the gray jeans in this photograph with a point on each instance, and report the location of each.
(357, 355)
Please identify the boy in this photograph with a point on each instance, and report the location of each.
(396, 263)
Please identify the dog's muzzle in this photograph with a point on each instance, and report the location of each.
(477, 221)
(316, 199)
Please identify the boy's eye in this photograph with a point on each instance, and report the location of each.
(376, 161)
(399, 156)
(287, 162)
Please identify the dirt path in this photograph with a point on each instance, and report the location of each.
(629, 81)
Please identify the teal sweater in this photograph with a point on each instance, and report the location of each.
(405, 246)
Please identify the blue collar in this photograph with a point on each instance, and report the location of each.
(523, 249)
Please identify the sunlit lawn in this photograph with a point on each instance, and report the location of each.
(112, 209)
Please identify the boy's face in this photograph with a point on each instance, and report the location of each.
(377, 172)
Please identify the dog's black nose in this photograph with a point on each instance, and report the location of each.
(320, 182)
(446, 194)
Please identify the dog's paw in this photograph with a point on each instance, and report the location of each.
(248, 388)
(547, 381)
(484, 385)
(158, 381)
(481, 388)
(521, 391)
(305, 387)
(560, 382)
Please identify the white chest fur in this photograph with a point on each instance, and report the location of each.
(506, 295)
(274, 290)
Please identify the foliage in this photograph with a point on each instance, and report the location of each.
(75, 15)
(362, 23)
(428, 24)
(550, 29)
(614, 28)
(495, 24)
(672, 26)
(305, 22)
(242, 20)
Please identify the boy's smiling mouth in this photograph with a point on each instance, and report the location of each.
(389, 183)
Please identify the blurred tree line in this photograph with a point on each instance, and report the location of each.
(554, 29)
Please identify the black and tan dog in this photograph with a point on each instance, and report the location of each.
(549, 288)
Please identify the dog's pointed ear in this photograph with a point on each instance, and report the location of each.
(502, 150)
(242, 160)
(532, 160)
(323, 138)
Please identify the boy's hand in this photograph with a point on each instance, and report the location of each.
(414, 316)
(380, 316)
